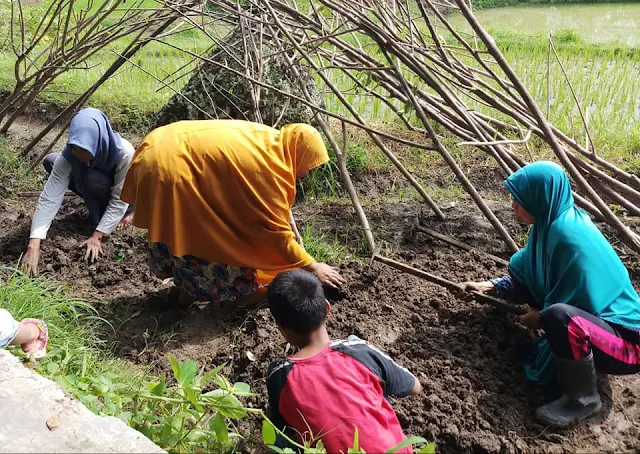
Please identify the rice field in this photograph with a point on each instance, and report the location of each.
(605, 77)
(596, 22)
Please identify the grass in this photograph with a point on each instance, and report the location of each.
(325, 182)
(320, 246)
(78, 357)
(13, 171)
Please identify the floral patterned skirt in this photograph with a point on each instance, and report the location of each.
(201, 279)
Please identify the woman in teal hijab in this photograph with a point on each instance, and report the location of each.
(579, 291)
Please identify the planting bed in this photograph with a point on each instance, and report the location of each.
(466, 355)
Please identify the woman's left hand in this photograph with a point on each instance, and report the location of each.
(94, 246)
(125, 222)
(532, 318)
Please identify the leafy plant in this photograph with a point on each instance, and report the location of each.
(185, 416)
(315, 446)
(120, 256)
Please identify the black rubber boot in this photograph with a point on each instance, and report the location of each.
(580, 398)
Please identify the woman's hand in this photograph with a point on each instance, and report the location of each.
(31, 258)
(126, 221)
(94, 246)
(468, 287)
(480, 287)
(328, 275)
(532, 318)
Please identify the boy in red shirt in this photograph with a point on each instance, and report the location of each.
(328, 388)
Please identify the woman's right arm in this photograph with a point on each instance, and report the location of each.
(48, 205)
(505, 288)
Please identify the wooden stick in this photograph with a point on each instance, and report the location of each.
(500, 142)
(342, 165)
(460, 244)
(294, 227)
(451, 286)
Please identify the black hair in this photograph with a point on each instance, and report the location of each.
(296, 301)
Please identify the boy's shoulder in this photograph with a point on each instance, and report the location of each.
(279, 366)
(356, 347)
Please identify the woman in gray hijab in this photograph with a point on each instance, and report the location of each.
(93, 164)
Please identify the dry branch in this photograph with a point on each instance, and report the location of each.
(387, 53)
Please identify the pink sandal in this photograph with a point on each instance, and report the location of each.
(41, 341)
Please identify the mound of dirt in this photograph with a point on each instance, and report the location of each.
(122, 270)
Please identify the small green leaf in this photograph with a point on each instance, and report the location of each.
(222, 382)
(268, 433)
(212, 373)
(408, 442)
(226, 403)
(216, 393)
(356, 440)
(187, 373)
(158, 389)
(174, 366)
(192, 395)
(220, 429)
(241, 389)
(427, 449)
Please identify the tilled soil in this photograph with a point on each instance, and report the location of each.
(466, 355)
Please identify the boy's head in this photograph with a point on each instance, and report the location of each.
(297, 303)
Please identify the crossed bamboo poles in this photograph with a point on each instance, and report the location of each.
(397, 54)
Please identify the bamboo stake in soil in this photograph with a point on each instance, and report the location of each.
(342, 165)
(460, 244)
(451, 286)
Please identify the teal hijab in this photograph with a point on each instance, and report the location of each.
(566, 259)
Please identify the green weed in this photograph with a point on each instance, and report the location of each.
(320, 246)
(187, 415)
(323, 182)
(313, 444)
(15, 177)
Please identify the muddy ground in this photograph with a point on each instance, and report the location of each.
(466, 355)
(475, 396)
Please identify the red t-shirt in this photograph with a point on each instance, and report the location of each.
(340, 388)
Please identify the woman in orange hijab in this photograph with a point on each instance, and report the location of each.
(215, 197)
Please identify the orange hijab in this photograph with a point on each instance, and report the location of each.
(221, 190)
